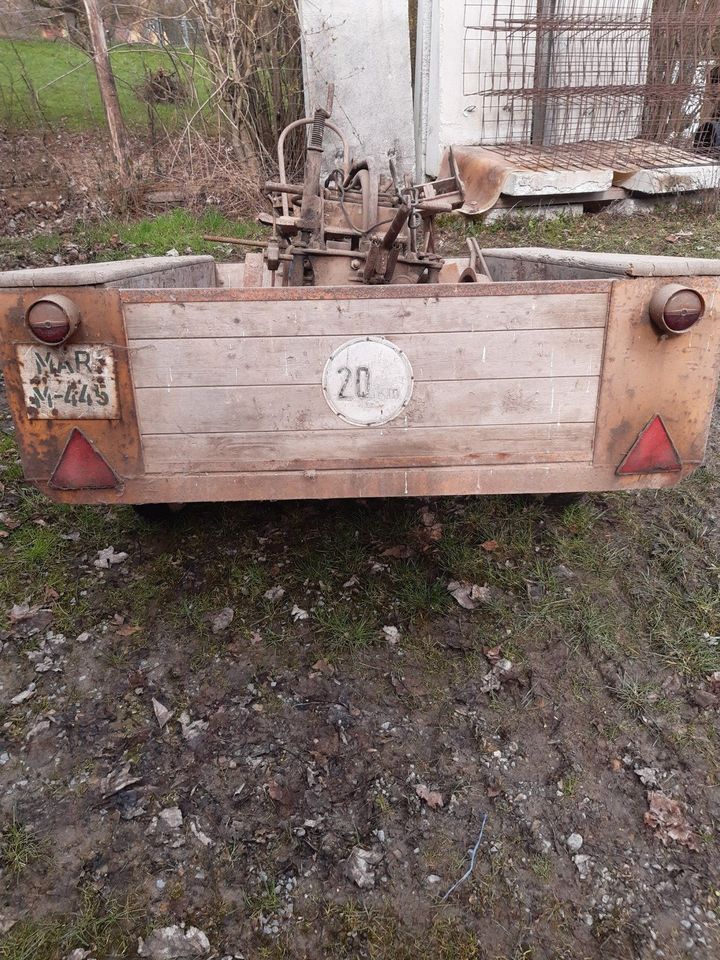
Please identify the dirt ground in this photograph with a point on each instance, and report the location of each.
(275, 731)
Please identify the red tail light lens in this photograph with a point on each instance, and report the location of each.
(52, 319)
(81, 467)
(675, 309)
(652, 452)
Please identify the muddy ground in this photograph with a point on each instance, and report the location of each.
(279, 725)
(320, 777)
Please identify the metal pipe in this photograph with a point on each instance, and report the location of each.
(306, 121)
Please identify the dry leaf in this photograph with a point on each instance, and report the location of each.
(322, 666)
(128, 631)
(433, 798)
(279, 793)
(668, 820)
(493, 654)
(490, 545)
(468, 595)
(162, 713)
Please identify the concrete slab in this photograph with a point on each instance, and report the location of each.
(504, 214)
(671, 179)
(364, 49)
(538, 183)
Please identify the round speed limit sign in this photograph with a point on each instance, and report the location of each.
(368, 381)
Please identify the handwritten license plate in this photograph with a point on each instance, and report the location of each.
(76, 382)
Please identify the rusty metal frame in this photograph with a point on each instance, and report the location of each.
(645, 373)
(42, 441)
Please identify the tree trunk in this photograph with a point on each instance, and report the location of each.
(108, 90)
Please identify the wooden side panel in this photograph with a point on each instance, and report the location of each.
(645, 374)
(467, 402)
(237, 384)
(258, 361)
(389, 316)
(331, 449)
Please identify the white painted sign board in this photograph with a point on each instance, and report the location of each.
(364, 49)
(75, 382)
(368, 381)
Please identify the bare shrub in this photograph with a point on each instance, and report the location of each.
(253, 50)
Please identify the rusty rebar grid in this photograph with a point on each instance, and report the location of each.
(552, 73)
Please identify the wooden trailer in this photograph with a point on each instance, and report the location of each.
(179, 379)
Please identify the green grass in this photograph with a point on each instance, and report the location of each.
(108, 928)
(178, 229)
(653, 233)
(53, 82)
(19, 848)
(122, 239)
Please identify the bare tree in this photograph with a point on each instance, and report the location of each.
(253, 48)
(108, 91)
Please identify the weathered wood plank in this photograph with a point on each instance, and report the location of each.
(466, 402)
(322, 449)
(451, 356)
(389, 482)
(385, 317)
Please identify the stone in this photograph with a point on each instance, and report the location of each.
(171, 817)
(574, 842)
(631, 207)
(174, 943)
(583, 864)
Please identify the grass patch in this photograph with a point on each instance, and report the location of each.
(178, 229)
(675, 228)
(19, 848)
(342, 630)
(123, 239)
(380, 935)
(108, 928)
(50, 82)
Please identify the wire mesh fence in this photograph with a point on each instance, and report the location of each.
(553, 73)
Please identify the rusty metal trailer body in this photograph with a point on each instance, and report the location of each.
(183, 380)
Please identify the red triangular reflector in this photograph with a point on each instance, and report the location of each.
(81, 467)
(652, 452)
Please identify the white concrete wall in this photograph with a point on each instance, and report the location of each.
(364, 49)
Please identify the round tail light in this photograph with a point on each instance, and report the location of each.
(675, 309)
(52, 319)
